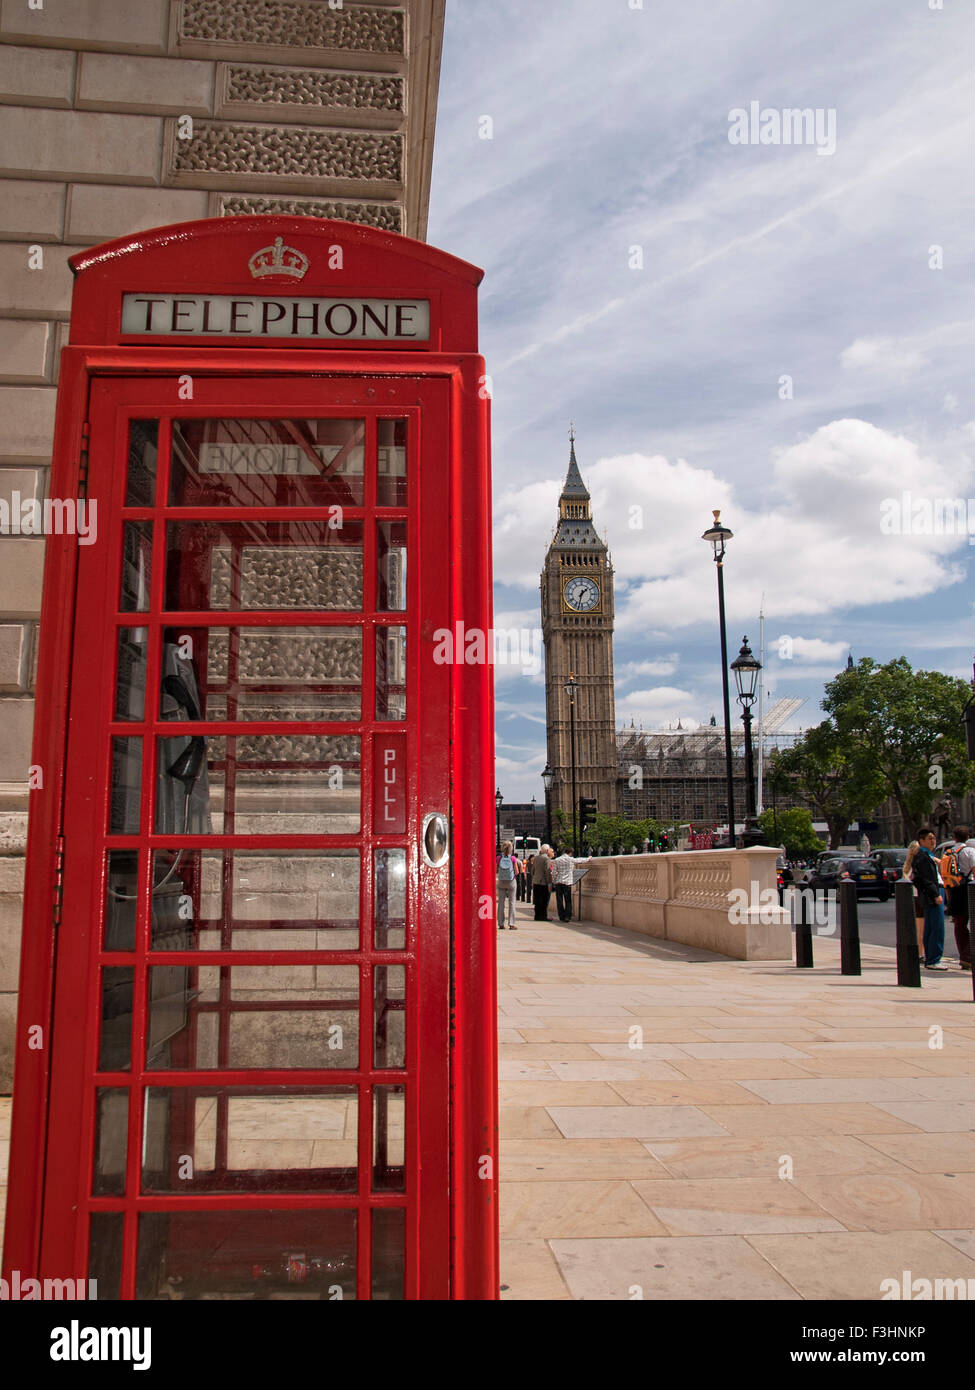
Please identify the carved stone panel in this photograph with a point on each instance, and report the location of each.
(388, 217)
(230, 28)
(317, 95)
(235, 154)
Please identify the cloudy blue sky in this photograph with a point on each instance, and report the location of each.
(655, 282)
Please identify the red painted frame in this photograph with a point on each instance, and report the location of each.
(195, 257)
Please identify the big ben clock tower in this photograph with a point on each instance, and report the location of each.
(577, 628)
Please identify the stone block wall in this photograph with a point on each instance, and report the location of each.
(118, 115)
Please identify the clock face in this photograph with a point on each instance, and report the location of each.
(581, 594)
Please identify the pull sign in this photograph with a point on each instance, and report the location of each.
(389, 784)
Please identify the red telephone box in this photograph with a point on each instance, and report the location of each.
(256, 1038)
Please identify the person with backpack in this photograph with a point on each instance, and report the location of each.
(957, 865)
(930, 889)
(506, 886)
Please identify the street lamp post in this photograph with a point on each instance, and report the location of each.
(719, 536)
(533, 816)
(547, 778)
(498, 799)
(746, 669)
(571, 686)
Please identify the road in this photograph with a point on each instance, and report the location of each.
(876, 921)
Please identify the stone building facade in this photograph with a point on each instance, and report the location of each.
(119, 115)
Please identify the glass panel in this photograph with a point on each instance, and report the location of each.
(390, 899)
(391, 461)
(390, 672)
(388, 1253)
(130, 678)
(391, 563)
(267, 463)
(261, 784)
(389, 1139)
(125, 800)
(111, 1134)
(105, 1254)
(390, 1016)
(115, 1052)
(247, 1255)
(228, 1140)
(140, 486)
(248, 565)
(256, 900)
(136, 567)
(121, 898)
(267, 1016)
(273, 673)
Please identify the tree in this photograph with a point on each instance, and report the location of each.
(907, 726)
(839, 785)
(792, 829)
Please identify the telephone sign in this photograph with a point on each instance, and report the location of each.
(253, 950)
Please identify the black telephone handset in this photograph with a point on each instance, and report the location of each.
(186, 766)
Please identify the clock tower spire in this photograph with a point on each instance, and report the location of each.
(577, 628)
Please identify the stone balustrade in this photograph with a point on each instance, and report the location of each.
(719, 900)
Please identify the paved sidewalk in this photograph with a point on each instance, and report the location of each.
(771, 1133)
(779, 1134)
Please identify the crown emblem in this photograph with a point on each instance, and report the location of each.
(278, 260)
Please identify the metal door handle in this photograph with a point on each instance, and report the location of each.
(436, 843)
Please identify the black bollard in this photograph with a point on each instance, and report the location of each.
(908, 961)
(971, 928)
(849, 930)
(804, 946)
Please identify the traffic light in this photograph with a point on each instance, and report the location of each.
(587, 811)
(653, 842)
(969, 717)
(663, 842)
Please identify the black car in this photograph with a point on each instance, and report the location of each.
(865, 873)
(890, 862)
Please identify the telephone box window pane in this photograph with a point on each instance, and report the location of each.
(130, 674)
(388, 1253)
(390, 1016)
(267, 463)
(391, 463)
(261, 784)
(125, 802)
(274, 673)
(136, 567)
(390, 899)
(121, 899)
(256, 900)
(254, 1016)
(115, 1051)
(224, 1139)
(391, 561)
(111, 1135)
(140, 485)
(244, 566)
(247, 1255)
(391, 673)
(389, 1139)
(105, 1231)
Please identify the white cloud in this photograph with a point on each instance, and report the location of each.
(796, 650)
(881, 355)
(633, 670)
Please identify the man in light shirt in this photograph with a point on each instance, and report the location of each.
(562, 870)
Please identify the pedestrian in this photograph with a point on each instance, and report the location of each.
(522, 879)
(957, 866)
(541, 883)
(562, 873)
(930, 887)
(909, 858)
(506, 887)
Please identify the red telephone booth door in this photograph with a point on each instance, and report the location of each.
(249, 1068)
